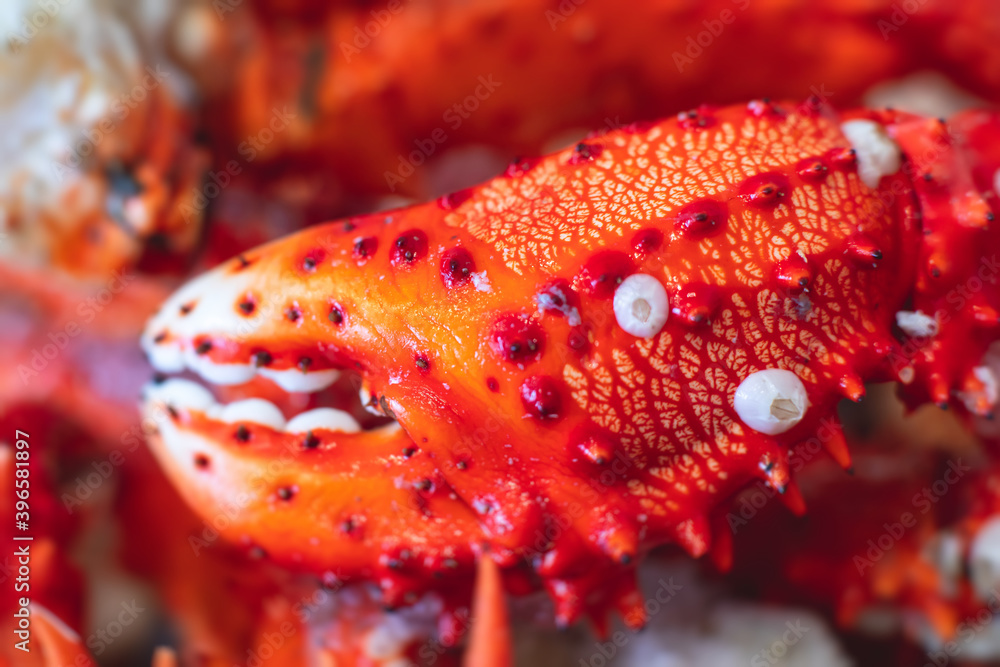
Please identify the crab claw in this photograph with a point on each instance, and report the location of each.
(313, 490)
(365, 296)
(585, 355)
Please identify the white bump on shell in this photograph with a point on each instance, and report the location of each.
(878, 155)
(771, 401)
(641, 305)
(916, 324)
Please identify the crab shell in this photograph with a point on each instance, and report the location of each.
(549, 410)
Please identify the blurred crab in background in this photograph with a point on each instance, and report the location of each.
(566, 364)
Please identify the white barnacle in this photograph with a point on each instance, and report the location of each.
(641, 305)
(878, 155)
(916, 324)
(771, 401)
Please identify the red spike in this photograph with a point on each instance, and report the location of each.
(864, 250)
(597, 448)
(568, 600)
(599, 623)
(489, 639)
(939, 390)
(630, 604)
(694, 536)
(721, 552)
(971, 208)
(938, 264)
(620, 543)
(562, 557)
(791, 498)
(884, 346)
(836, 445)
(852, 387)
(695, 304)
(794, 274)
(985, 315)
